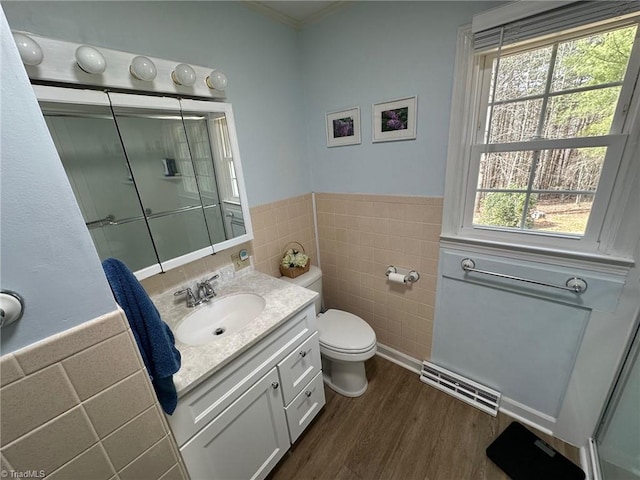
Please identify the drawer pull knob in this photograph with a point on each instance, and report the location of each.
(275, 385)
(308, 393)
(303, 354)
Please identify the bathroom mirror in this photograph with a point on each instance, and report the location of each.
(158, 180)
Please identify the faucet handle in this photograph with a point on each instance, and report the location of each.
(187, 290)
(208, 289)
(191, 299)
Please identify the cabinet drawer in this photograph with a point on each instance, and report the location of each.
(299, 367)
(305, 407)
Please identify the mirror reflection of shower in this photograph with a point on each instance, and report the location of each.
(153, 185)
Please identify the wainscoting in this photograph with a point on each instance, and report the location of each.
(360, 235)
(278, 223)
(80, 405)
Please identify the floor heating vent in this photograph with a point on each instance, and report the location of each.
(460, 387)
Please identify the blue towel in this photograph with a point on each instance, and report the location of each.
(153, 336)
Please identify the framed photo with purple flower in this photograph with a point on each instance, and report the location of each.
(395, 120)
(343, 127)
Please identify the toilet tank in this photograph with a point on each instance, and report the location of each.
(311, 280)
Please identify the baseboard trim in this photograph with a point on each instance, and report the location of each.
(518, 411)
(527, 415)
(412, 364)
(508, 406)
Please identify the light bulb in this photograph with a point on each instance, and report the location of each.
(30, 51)
(143, 69)
(90, 60)
(217, 80)
(183, 74)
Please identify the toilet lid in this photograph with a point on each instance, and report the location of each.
(343, 331)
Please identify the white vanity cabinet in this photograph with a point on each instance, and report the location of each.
(244, 441)
(240, 421)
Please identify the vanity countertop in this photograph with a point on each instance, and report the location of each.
(282, 300)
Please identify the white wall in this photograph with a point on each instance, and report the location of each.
(259, 56)
(369, 53)
(46, 253)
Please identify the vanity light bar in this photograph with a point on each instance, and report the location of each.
(73, 63)
(479, 396)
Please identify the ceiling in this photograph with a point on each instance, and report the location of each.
(296, 14)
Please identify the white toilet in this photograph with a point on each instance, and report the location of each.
(346, 341)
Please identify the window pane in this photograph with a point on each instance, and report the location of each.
(559, 213)
(593, 60)
(515, 122)
(198, 138)
(523, 74)
(505, 170)
(583, 114)
(569, 169)
(499, 209)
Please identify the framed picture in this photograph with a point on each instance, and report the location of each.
(395, 120)
(343, 127)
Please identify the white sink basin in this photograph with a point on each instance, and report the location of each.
(219, 318)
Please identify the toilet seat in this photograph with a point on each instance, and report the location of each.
(344, 333)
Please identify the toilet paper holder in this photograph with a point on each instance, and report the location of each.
(410, 276)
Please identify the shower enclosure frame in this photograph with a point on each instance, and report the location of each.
(618, 388)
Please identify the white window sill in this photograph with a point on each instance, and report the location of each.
(598, 261)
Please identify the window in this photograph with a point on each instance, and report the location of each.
(547, 122)
(229, 171)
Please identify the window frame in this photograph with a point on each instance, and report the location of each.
(467, 124)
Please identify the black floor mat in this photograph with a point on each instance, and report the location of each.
(524, 456)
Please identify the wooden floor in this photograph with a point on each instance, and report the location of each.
(400, 429)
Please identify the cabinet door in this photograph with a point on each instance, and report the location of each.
(246, 440)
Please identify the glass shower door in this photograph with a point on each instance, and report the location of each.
(160, 158)
(618, 436)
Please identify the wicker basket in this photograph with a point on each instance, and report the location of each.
(293, 272)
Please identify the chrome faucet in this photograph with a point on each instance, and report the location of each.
(204, 292)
